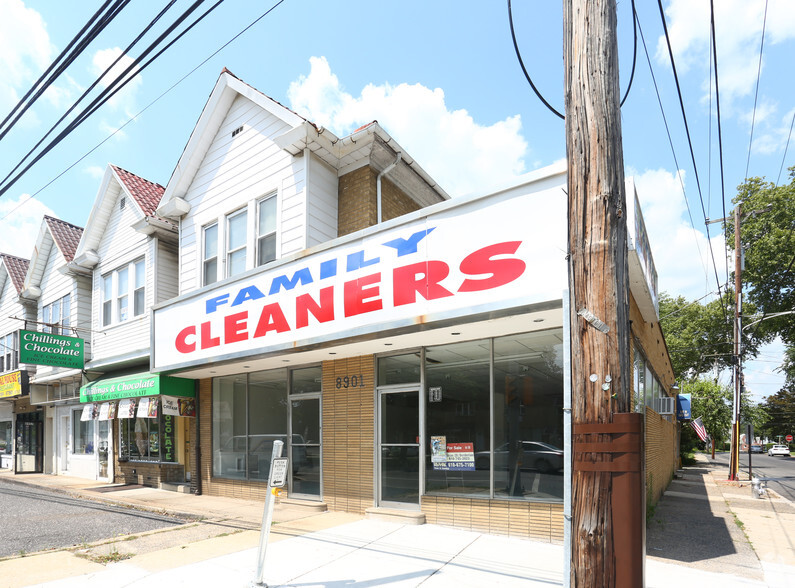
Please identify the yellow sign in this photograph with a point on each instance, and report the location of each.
(11, 385)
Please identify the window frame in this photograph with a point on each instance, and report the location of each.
(269, 198)
(114, 301)
(229, 252)
(206, 260)
(63, 319)
(9, 356)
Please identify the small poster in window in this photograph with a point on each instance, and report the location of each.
(187, 407)
(103, 411)
(460, 457)
(439, 449)
(86, 414)
(111, 410)
(151, 411)
(127, 408)
(143, 408)
(170, 405)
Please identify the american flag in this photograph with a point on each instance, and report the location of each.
(698, 427)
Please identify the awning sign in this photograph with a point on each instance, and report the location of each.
(135, 386)
(48, 349)
(11, 384)
(127, 408)
(175, 406)
(683, 407)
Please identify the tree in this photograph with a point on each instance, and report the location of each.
(767, 236)
(710, 401)
(699, 336)
(780, 410)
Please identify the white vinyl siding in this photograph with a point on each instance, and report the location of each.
(167, 271)
(323, 187)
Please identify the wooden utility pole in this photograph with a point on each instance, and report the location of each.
(608, 512)
(734, 454)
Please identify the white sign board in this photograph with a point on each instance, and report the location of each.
(482, 255)
(278, 477)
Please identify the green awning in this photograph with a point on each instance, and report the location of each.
(136, 386)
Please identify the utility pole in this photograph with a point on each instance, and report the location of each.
(734, 456)
(608, 511)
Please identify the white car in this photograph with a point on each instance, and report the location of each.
(778, 450)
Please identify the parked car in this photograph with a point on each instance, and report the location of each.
(778, 450)
(757, 449)
(535, 456)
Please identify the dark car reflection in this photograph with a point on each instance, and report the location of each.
(535, 455)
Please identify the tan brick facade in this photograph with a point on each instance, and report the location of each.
(661, 458)
(358, 203)
(348, 435)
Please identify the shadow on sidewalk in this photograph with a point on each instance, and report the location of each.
(687, 526)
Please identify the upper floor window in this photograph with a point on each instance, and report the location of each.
(122, 287)
(236, 242)
(56, 316)
(266, 230)
(8, 352)
(210, 254)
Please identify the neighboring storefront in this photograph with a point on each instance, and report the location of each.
(13, 386)
(136, 425)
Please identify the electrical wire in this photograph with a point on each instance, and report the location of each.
(786, 147)
(144, 109)
(690, 144)
(43, 82)
(673, 151)
(117, 85)
(530, 80)
(756, 94)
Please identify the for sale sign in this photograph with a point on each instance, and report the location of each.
(460, 457)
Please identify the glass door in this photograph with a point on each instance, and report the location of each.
(103, 446)
(29, 450)
(399, 448)
(305, 448)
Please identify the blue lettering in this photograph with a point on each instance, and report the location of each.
(214, 303)
(357, 261)
(407, 246)
(304, 276)
(328, 269)
(248, 293)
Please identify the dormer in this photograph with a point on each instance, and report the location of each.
(14, 310)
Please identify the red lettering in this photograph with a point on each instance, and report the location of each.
(501, 271)
(207, 337)
(271, 319)
(359, 298)
(235, 327)
(323, 312)
(422, 278)
(182, 344)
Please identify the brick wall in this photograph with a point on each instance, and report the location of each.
(358, 201)
(348, 435)
(661, 455)
(534, 520)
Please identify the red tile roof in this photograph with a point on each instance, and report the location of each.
(147, 194)
(17, 269)
(66, 236)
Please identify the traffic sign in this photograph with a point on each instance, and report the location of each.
(278, 476)
(789, 438)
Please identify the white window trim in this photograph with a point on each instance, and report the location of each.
(202, 247)
(115, 295)
(277, 253)
(51, 319)
(246, 242)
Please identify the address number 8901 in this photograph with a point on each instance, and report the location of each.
(355, 381)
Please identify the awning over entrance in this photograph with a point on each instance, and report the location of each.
(135, 386)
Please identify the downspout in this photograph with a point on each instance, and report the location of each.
(197, 440)
(385, 171)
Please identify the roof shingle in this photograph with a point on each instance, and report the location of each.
(66, 236)
(17, 269)
(147, 194)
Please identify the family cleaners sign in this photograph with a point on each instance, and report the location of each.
(476, 257)
(47, 349)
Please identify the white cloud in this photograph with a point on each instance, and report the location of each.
(681, 254)
(460, 154)
(738, 26)
(21, 219)
(96, 172)
(124, 100)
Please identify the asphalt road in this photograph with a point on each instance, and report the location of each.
(35, 519)
(778, 472)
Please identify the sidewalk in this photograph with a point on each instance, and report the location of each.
(692, 537)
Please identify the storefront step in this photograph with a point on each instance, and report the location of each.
(395, 515)
(308, 505)
(184, 488)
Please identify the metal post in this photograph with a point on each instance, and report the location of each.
(267, 518)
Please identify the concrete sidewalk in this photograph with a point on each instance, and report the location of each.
(698, 541)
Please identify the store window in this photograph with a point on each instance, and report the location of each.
(647, 385)
(210, 254)
(509, 387)
(8, 352)
(6, 437)
(236, 242)
(152, 439)
(249, 414)
(399, 369)
(57, 314)
(82, 434)
(266, 230)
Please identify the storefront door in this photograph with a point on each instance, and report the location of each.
(29, 457)
(103, 448)
(399, 447)
(305, 448)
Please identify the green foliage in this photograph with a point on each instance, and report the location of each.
(780, 409)
(712, 402)
(768, 240)
(700, 336)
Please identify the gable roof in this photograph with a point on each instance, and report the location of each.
(66, 236)
(145, 193)
(16, 268)
(53, 232)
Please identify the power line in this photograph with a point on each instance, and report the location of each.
(690, 144)
(145, 108)
(786, 147)
(756, 94)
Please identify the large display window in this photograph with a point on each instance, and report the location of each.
(151, 439)
(494, 417)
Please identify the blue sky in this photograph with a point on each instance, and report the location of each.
(442, 78)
